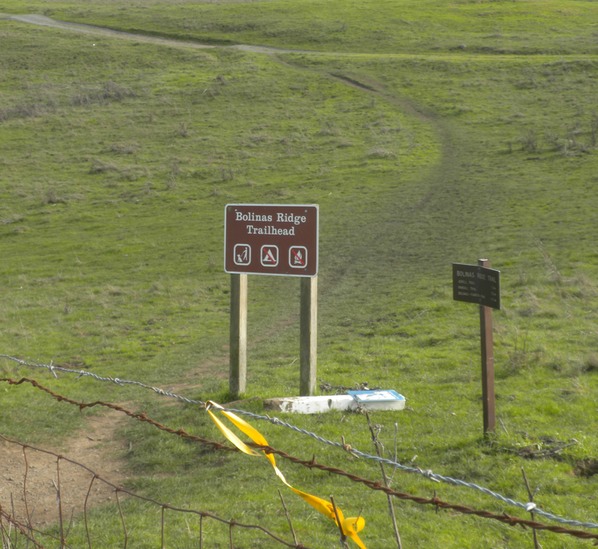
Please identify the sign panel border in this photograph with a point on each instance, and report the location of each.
(480, 298)
(312, 248)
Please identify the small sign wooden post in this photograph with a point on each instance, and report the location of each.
(480, 284)
(272, 239)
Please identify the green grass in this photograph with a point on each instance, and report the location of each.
(520, 27)
(427, 133)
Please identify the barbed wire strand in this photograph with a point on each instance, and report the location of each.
(52, 368)
(427, 473)
(374, 485)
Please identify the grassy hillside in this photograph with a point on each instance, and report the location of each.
(427, 133)
(512, 27)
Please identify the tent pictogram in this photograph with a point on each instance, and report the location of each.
(269, 255)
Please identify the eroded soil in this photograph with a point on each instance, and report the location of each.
(38, 488)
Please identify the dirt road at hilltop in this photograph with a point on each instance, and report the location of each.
(43, 21)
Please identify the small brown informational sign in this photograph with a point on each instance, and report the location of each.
(476, 284)
(271, 239)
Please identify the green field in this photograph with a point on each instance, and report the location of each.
(427, 132)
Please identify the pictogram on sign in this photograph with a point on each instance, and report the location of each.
(242, 254)
(298, 257)
(269, 255)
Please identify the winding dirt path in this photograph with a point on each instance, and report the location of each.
(96, 446)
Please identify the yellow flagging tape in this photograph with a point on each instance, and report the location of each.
(349, 526)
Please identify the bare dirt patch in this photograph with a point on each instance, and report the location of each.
(38, 484)
(586, 467)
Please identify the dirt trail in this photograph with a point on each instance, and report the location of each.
(30, 479)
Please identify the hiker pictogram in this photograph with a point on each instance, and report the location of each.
(269, 255)
(242, 254)
(298, 257)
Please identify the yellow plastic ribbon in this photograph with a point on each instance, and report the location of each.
(349, 526)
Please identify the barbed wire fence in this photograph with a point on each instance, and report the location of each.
(427, 473)
(12, 525)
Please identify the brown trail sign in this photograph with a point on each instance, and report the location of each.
(271, 239)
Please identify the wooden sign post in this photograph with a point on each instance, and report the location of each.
(480, 284)
(272, 239)
(238, 334)
(487, 348)
(309, 336)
